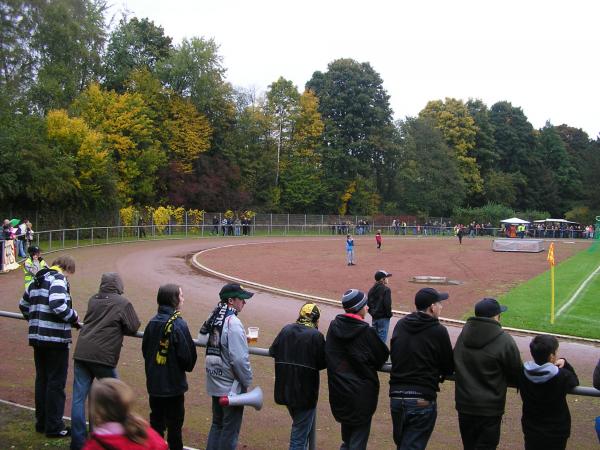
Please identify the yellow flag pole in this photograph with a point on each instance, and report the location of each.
(552, 294)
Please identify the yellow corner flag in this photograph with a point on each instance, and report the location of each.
(550, 259)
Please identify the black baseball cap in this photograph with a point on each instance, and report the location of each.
(427, 297)
(381, 274)
(234, 290)
(488, 307)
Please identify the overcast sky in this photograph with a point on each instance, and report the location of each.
(540, 55)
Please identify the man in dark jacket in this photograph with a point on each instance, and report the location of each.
(486, 361)
(169, 352)
(421, 359)
(543, 385)
(380, 304)
(353, 353)
(299, 352)
(48, 307)
(109, 317)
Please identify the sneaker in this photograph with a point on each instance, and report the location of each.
(66, 432)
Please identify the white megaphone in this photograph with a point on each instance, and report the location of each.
(253, 398)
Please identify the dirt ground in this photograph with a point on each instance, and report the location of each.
(314, 266)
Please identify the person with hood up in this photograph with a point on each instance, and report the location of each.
(486, 361)
(353, 354)
(544, 384)
(109, 317)
(421, 359)
(380, 304)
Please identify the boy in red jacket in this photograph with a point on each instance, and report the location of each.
(378, 239)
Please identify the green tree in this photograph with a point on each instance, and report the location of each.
(195, 71)
(134, 44)
(282, 108)
(67, 42)
(429, 179)
(452, 118)
(302, 174)
(355, 109)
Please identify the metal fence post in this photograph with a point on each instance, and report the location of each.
(92, 232)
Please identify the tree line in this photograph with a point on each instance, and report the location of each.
(94, 118)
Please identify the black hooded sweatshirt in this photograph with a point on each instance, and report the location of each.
(353, 352)
(421, 356)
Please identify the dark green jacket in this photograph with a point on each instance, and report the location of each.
(486, 361)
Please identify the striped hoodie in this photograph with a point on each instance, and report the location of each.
(47, 305)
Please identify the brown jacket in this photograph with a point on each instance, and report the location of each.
(109, 317)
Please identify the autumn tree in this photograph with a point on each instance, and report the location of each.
(452, 118)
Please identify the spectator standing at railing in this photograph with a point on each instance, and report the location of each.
(227, 365)
(354, 353)
(29, 234)
(108, 318)
(169, 352)
(486, 361)
(48, 307)
(379, 301)
(299, 352)
(543, 385)
(6, 230)
(421, 358)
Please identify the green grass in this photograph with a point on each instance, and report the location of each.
(529, 303)
(17, 431)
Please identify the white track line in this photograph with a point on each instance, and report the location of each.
(576, 294)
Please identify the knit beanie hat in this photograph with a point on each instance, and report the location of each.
(353, 300)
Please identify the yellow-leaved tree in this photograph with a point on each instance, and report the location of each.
(94, 179)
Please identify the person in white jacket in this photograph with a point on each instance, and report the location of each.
(227, 365)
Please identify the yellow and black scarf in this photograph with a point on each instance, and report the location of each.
(163, 346)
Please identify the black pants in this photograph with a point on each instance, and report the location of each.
(534, 441)
(479, 432)
(355, 437)
(168, 413)
(51, 365)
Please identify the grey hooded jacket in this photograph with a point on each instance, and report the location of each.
(109, 317)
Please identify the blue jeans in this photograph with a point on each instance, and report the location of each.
(413, 424)
(225, 428)
(21, 248)
(381, 327)
(303, 421)
(83, 376)
(350, 256)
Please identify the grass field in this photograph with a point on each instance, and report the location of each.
(529, 303)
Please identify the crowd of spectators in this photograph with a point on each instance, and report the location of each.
(485, 361)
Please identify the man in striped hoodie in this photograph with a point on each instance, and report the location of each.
(47, 305)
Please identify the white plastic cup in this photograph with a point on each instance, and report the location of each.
(253, 335)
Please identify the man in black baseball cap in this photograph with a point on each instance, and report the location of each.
(353, 352)
(486, 360)
(421, 358)
(227, 364)
(380, 304)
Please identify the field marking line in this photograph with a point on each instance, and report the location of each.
(576, 294)
(18, 405)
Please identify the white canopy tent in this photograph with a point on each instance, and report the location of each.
(514, 221)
